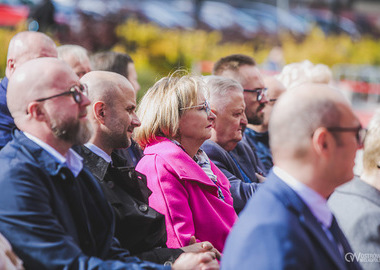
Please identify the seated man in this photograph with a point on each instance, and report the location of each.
(287, 224)
(22, 47)
(257, 135)
(356, 204)
(139, 228)
(225, 148)
(122, 64)
(52, 210)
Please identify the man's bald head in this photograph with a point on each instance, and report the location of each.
(112, 114)
(25, 46)
(299, 112)
(105, 85)
(36, 79)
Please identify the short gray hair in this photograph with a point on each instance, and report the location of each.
(218, 89)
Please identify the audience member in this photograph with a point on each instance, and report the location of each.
(77, 58)
(357, 203)
(139, 228)
(122, 64)
(257, 135)
(52, 210)
(187, 187)
(243, 69)
(227, 102)
(117, 62)
(22, 47)
(287, 224)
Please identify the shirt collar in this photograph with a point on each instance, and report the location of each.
(315, 202)
(96, 150)
(72, 160)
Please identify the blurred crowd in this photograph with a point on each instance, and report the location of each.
(235, 170)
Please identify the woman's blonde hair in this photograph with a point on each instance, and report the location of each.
(160, 109)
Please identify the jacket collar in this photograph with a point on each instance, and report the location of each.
(295, 204)
(35, 152)
(97, 165)
(184, 166)
(360, 188)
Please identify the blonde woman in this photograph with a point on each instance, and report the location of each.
(187, 187)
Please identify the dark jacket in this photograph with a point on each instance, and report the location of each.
(139, 228)
(241, 191)
(259, 141)
(278, 231)
(6, 120)
(55, 220)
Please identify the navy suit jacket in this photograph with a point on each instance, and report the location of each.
(278, 231)
(240, 190)
(55, 220)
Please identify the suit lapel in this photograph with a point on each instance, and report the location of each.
(295, 204)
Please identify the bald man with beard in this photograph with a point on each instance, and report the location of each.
(139, 228)
(23, 47)
(52, 210)
(287, 224)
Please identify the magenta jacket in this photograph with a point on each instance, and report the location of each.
(186, 195)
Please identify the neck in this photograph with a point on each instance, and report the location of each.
(191, 146)
(99, 143)
(258, 128)
(59, 145)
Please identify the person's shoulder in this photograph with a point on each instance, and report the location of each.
(212, 148)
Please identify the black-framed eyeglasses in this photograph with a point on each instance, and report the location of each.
(360, 132)
(76, 91)
(205, 106)
(261, 92)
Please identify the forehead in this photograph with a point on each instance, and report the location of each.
(251, 77)
(235, 99)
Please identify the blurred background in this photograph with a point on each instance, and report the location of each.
(162, 36)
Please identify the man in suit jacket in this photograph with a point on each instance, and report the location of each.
(357, 203)
(287, 224)
(232, 156)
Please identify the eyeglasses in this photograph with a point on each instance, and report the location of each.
(205, 106)
(76, 91)
(360, 132)
(261, 92)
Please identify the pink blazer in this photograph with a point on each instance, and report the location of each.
(186, 195)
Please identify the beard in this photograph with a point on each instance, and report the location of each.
(73, 130)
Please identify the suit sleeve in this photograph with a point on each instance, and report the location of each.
(28, 221)
(240, 191)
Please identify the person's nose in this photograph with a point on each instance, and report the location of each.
(85, 101)
(212, 116)
(135, 120)
(243, 120)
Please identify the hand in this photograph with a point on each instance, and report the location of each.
(196, 261)
(201, 247)
(260, 178)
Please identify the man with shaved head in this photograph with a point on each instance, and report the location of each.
(23, 47)
(139, 228)
(257, 135)
(287, 224)
(52, 210)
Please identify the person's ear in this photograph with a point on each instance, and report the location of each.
(99, 111)
(11, 66)
(34, 110)
(322, 141)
